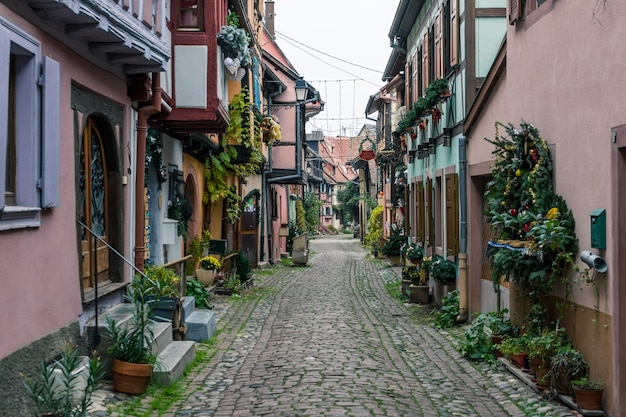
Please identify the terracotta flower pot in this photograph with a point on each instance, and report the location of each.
(131, 378)
(588, 399)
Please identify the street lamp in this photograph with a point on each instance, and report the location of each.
(302, 89)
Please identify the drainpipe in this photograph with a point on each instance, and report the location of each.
(463, 281)
(144, 111)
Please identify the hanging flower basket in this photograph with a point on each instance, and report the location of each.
(367, 154)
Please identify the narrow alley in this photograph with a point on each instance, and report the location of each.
(327, 339)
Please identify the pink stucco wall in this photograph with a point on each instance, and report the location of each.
(39, 268)
(565, 75)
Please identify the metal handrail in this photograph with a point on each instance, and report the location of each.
(96, 237)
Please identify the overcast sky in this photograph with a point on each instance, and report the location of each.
(322, 39)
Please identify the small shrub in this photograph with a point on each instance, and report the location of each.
(66, 393)
(449, 311)
(477, 344)
(200, 293)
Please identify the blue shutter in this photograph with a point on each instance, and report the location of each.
(256, 74)
(50, 137)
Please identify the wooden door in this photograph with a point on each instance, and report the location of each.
(93, 198)
(249, 226)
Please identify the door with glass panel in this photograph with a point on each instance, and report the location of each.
(93, 195)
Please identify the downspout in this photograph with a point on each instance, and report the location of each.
(144, 110)
(463, 281)
(265, 197)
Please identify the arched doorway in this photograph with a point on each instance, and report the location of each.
(97, 204)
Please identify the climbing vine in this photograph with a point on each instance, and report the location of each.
(240, 156)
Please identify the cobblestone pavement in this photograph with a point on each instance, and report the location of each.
(328, 340)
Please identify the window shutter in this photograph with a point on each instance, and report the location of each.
(514, 11)
(454, 33)
(452, 214)
(4, 111)
(421, 229)
(50, 133)
(430, 214)
(425, 62)
(408, 99)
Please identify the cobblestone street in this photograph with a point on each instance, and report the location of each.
(328, 340)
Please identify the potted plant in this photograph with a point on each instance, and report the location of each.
(393, 247)
(209, 265)
(413, 253)
(408, 273)
(131, 342)
(443, 271)
(566, 365)
(167, 284)
(541, 348)
(588, 393)
(516, 349)
(418, 290)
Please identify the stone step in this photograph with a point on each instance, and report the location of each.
(172, 361)
(189, 306)
(201, 325)
(122, 315)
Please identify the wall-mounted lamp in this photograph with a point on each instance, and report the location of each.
(302, 89)
(595, 261)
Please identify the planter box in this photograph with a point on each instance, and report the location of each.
(163, 309)
(419, 294)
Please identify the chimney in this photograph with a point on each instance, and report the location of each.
(269, 17)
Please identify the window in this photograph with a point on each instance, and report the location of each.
(31, 113)
(190, 15)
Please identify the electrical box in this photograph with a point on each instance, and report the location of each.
(598, 229)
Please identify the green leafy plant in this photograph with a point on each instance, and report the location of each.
(428, 101)
(198, 245)
(585, 383)
(374, 228)
(311, 205)
(443, 271)
(544, 345)
(200, 293)
(395, 242)
(477, 343)
(414, 274)
(63, 389)
(511, 346)
(412, 252)
(243, 267)
(132, 343)
(166, 282)
(566, 365)
(449, 311)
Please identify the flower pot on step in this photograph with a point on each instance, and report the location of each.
(131, 378)
(206, 276)
(588, 399)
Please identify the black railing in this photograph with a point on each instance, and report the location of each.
(94, 273)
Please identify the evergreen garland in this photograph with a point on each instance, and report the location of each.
(536, 243)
